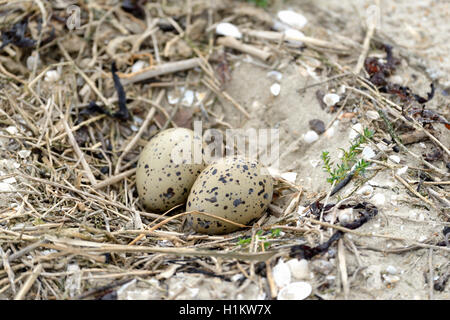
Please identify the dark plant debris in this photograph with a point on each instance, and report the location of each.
(306, 252)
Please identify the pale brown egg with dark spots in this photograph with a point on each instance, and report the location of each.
(167, 168)
(234, 188)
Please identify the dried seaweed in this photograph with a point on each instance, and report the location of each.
(306, 252)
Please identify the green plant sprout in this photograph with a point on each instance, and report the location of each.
(348, 160)
(260, 3)
(274, 233)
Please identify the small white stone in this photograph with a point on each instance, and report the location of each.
(396, 79)
(391, 269)
(391, 279)
(289, 176)
(299, 268)
(346, 215)
(51, 76)
(402, 170)
(300, 210)
(228, 29)
(24, 153)
(138, 66)
(281, 274)
(12, 130)
(365, 191)
(355, 130)
(9, 180)
(379, 199)
(310, 136)
(314, 163)
(372, 115)
(394, 158)
(295, 291)
(292, 18)
(31, 60)
(330, 132)
(367, 153)
(330, 99)
(275, 75)
(188, 98)
(275, 89)
(294, 37)
(341, 89)
(421, 217)
(422, 145)
(5, 187)
(422, 238)
(382, 146)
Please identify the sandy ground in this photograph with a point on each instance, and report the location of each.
(420, 36)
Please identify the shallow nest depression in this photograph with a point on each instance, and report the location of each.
(71, 224)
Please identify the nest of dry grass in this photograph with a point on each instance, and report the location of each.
(72, 210)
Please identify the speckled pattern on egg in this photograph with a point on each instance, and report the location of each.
(234, 188)
(162, 183)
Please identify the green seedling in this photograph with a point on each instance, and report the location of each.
(348, 160)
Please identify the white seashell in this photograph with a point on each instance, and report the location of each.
(330, 99)
(292, 18)
(422, 238)
(188, 98)
(228, 29)
(295, 291)
(24, 153)
(391, 279)
(275, 89)
(367, 153)
(294, 37)
(12, 130)
(402, 170)
(391, 270)
(394, 158)
(382, 146)
(275, 75)
(310, 136)
(31, 60)
(51, 76)
(372, 115)
(5, 187)
(365, 191)
(330, 132)
(379, 199)
(138, 66)
(422, 145)
(355, 131)
(280, 26)
(289, 176)
(281, 274)
(341, 89)
(346, 215)
(299, 268)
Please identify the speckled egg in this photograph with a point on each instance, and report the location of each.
(234, 188)
(167, 168)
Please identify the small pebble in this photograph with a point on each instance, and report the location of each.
(275, 75)
(355, 130)
(275, 89)
(188, 98)
(228, 29)
(294, 37)
(394, 158)
(365, 191)
(138, 66)
(372, 115)
(295, 291)
(5, 187)
(391, 269)
(12, 130)
(330, 132)
(346, 215)
(281, 274)
(289, 176)
(391, 279)
(310, 136)
(379, 199)
(402, 170)
(292, 18)
(367, 153)
(317, 125)
(51, 76)
(330, 99)
(24, 153)
(299, 268)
